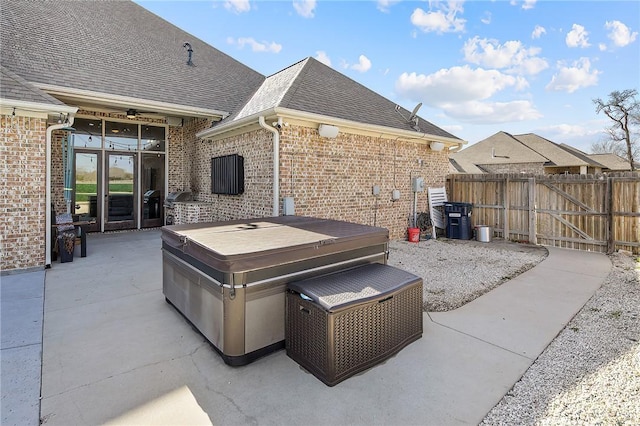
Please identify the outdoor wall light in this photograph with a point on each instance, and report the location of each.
(131, 113)
(327, 131)
(436, 146)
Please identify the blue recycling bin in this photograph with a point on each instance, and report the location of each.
(458, 216)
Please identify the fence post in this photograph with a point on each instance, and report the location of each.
(532, 211)
(608, 208)
(506, 201)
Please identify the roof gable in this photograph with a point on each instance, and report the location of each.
(310, 86)
(500, 148)
(119, 48)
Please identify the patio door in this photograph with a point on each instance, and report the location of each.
(152, 197)
(87, 189)
(120, 191)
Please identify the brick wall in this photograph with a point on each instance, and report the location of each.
(327, 178)
(333, 178)
(22, 194)
(257, 149)
(532, 168)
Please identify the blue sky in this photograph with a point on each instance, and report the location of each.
(478, 67)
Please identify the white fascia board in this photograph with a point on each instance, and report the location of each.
(316, 119)
(34, 109)
(127, 102)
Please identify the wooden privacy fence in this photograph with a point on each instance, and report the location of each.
(586, 212)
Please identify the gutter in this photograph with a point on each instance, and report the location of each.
(276, 164)
(47, 234)
(379, 131)
(126, 102)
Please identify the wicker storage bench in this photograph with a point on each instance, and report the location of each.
(340, 324)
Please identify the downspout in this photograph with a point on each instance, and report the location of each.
(47, 206)
(276, 164)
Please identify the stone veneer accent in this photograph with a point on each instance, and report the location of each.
(193, 212)
(22, 194)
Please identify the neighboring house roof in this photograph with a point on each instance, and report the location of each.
(612, 162)
(500, 148)
(312, 87)
(14, 87)
(504, 148)
(118, 48)
(555, 154)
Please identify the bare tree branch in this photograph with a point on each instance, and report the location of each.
(623, 108)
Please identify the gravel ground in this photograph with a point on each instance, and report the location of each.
(455, 272)
(590, 373)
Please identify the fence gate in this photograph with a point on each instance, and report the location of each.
(595, 213)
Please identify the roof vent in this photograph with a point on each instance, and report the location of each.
(189, 51)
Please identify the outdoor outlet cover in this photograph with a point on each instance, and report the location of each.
(376, 190)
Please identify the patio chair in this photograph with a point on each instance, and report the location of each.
(63, 223)
(437, 199)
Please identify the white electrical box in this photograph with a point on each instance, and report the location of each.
(395, 194)
(288, 206)
(375, 190)
(418, 184)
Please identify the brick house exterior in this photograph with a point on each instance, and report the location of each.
(220, 109)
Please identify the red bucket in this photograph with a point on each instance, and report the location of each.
(414, 234)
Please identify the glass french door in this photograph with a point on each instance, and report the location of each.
(120, 191)
(152, 199)
(87, 189)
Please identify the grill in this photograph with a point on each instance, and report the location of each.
(177, 197)
(172, 198)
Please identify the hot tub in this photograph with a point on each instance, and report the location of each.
(229, 278)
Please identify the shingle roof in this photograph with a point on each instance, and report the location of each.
(555, 153)
(313, 87)
(14, 87)
(611, 162)
(500, 148)
(118, 47)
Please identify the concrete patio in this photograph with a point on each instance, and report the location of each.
(114, 352)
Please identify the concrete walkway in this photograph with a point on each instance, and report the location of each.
(115, 352)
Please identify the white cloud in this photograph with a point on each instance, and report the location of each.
(322, 56)
(577, 37)
(570, 130)
(492, 112)
(619, 33)
(384, 5)
(538, 31)
(571, 78)
(457, 84)
(256, 46)
(363, 65)
(237, 6)
(442, 19)
(487, 18)
(511, 56)
(462, 93)
(305, 8)
(602, 47)
(526, 4)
